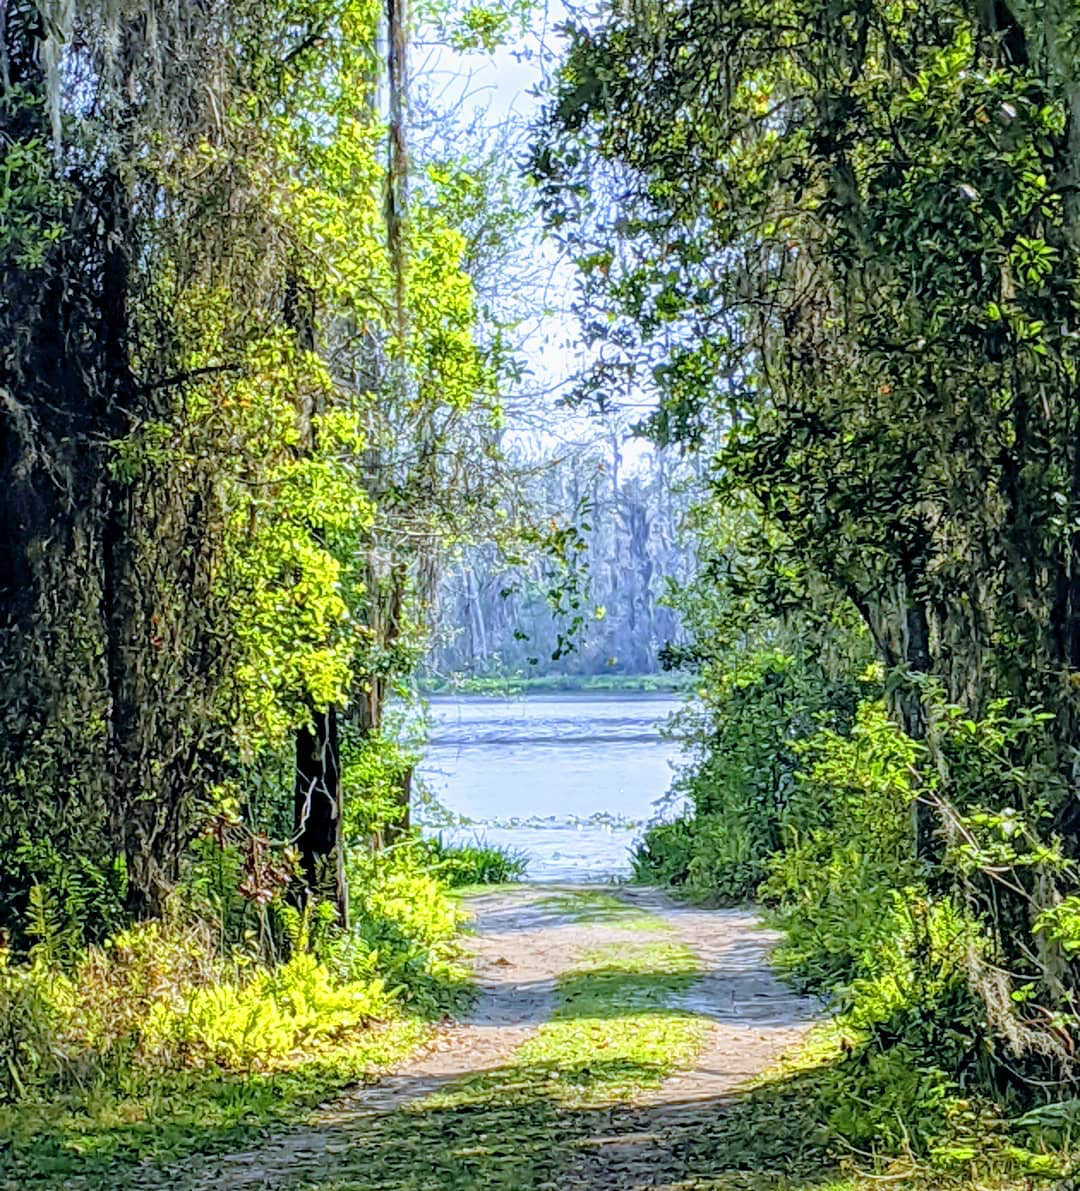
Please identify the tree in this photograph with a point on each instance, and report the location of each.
(841, 237)
(199, 301)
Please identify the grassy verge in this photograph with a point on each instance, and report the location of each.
(535, 1124)
(162, 1042)
(98, 1134)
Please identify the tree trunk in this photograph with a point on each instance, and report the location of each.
(385, 612)
(913, 712)
(317, 801)
(318, 810)
(138, 807)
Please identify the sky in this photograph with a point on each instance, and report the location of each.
(500, 82)
(500, 87)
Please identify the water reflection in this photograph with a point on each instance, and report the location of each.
(531, 772)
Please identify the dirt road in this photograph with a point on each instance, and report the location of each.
(526, 939)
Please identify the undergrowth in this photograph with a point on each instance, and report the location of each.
(812, 811)
(478, 863)
(172, 1035)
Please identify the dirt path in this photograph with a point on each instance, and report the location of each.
(754, 1020)
(525, 939)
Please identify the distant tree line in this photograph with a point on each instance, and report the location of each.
(591, 599)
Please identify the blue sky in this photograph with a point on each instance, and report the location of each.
(501, 86)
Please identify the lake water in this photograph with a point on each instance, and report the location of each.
(568, 779)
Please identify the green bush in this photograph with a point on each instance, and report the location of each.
(263, 1021)
(847, 847)
(374, 772)
(707, 854)
(663, 854)
(80, 898)
(743, 772)
(158, 996)
(401, 911)
(894, 955)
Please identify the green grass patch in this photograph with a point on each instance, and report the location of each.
(99, 1133)
(617, 1030)
(588, 905)
(523, 1128)
(620, 1012)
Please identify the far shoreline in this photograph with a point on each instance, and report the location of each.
(561, 684)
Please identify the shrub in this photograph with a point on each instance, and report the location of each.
(256, 1023)
(162, 995)
(708, 854)
(743, 737)
(68, 1028)
(376, 767)
(864, 928)
(848, 846)
(401, 911)
(663, 854)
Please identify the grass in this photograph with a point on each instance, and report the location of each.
(621, 1007)
(477, 864)
(98, 1134)
(563, 1112)
(560, 1112)
(589, 905)
(617, 1030)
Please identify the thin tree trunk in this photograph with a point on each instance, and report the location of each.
(397, 173)
(317, 802)
(318, 811)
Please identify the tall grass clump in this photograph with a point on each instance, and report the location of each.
(478, 863)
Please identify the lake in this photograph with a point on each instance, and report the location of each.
(568, 779)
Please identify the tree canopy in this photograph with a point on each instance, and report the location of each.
(838, 245)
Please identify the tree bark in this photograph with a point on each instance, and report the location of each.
(318, 811)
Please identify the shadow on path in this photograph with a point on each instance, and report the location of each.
(463, 1115)
(510, 1130)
